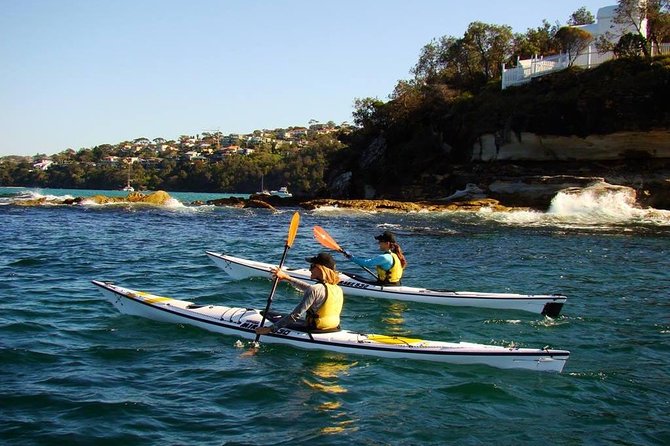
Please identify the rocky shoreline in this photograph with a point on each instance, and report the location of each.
(272, 203)
(470, 199)
(534, 184)
(502, 189)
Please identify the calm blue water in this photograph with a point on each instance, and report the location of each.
(75, 371)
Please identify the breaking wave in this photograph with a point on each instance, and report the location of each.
(598, 205)
(23, 195)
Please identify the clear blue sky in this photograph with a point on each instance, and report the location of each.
(79, 73)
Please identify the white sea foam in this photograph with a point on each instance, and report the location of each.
(597, 205)
(601, 205)
(36, 195)
(173, 203)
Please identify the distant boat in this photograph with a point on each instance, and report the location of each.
(128, 187)
(263, 191)
(282, 192)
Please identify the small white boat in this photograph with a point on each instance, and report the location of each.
(128, 187)
(354, 285)
(282, 192)
(242, 322)
(263, 191)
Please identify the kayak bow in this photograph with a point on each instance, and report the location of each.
(242, 322)
(352, 285)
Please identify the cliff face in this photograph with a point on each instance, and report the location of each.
(525, 146)
(610, 123)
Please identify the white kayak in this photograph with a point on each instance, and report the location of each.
(354, 285)
(243, 321)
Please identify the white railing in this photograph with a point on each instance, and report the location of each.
(529, 68)
(663, 48)
(539, 66)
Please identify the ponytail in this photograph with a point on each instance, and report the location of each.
(397, 250)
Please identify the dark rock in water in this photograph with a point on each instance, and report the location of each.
(254, 201)
(231, 201)
(403, 206)
(655, 194)
(274, 200)
(470, 192)
(602, 188)
(251, 203)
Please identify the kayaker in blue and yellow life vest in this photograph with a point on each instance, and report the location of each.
(322, 301)
(389, 265)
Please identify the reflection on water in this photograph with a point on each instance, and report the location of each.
(325, 379)
(325, 376)
(393, 318)
(329, 405)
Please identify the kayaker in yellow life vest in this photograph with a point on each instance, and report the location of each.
(322, 301)
(389, 266)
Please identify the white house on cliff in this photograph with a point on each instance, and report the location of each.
(539, 65)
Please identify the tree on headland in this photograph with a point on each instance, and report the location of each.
(629, 45)
(633, 13)
(492, 44)
(649, 21)
(468, 62)
(536, 41)
(366, 112)
(658, 22)
(573, 41)
(582, 16)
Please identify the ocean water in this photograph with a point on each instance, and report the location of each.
(75, 371)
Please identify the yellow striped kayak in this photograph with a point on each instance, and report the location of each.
(242, 322)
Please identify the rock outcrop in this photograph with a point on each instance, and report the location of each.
(403, 206)
(158, 198)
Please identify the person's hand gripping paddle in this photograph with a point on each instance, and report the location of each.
(292, 231)
(327, 241)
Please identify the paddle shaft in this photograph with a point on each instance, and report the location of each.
(292, 231)
(272, 293)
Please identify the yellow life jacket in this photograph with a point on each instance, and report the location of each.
(328, 315)
(393, 275)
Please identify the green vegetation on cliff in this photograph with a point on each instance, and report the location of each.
(426, 129)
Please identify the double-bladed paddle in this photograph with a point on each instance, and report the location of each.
(326, 240)
(292, 231)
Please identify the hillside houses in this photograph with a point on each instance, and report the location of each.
(208, 147)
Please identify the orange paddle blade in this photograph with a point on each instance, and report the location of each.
(325, 239)
(293, 229)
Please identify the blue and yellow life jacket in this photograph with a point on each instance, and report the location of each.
(393, 275)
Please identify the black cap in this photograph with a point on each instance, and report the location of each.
(324, 259)
(387, 236)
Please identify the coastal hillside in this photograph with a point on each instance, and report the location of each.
(612, 122)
